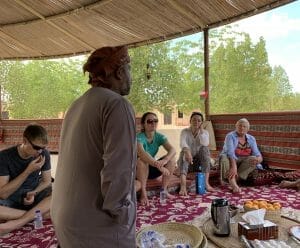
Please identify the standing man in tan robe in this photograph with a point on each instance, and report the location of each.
(94, 202)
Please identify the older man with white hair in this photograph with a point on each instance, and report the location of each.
(240, 155)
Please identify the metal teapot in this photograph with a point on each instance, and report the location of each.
(220, 214)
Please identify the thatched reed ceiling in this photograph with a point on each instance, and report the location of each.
(57, 28)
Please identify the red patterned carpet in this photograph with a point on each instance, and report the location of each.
(180, 209)
(184, 209)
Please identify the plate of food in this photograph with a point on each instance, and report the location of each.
(295, 231)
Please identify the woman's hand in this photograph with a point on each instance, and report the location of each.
(164, 171)
(159, 164)
(254, 161)
(232, 172)
(201, 128)
(188, 156)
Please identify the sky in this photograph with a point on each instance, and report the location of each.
(281, 30)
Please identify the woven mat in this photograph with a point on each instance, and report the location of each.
(175, 233)
(233, 240)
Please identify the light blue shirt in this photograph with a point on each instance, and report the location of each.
(231, 143)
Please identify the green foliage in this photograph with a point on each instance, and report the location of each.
(241, 79)
(158, 91)
(189, 57)
(42, 89)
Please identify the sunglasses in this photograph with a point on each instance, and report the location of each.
(35, 147)
(150, 121)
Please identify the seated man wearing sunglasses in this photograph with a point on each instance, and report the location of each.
(148, 167)
(25, 180)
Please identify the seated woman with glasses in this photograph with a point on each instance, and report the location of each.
(194, 155)
(148, 167)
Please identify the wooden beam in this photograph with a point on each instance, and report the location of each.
(0, 103)
(206, 73)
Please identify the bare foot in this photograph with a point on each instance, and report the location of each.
(210, 188)
(9, 226)
(144, 200)
(236, 189)
(183, 191)
(234, 186)
(170, 196)
(287, 184)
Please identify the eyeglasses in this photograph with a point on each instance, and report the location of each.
(35, 147)
(151, 121)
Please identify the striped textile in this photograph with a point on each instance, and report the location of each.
(277, 135)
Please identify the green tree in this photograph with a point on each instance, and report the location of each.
(165, 75)
(158, 90)
(188, 55)
(42, 89)
(240, 76)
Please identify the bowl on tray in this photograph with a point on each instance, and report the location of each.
(175, 233)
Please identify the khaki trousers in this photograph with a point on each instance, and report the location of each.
(244, 167)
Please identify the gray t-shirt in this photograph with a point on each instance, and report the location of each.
(12, 165)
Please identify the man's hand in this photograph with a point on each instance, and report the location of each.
(29, 199)
(35, 164)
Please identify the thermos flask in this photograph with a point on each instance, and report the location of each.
(220, 215)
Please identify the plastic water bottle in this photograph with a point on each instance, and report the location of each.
(200, 183)
(163, 197)
(38, 219)
(152, 239)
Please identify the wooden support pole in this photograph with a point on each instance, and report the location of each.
(206, 73)
(0, 103)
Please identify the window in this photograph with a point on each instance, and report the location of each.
(180, 114)
(168, 118)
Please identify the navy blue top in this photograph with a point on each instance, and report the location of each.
(12, 165)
